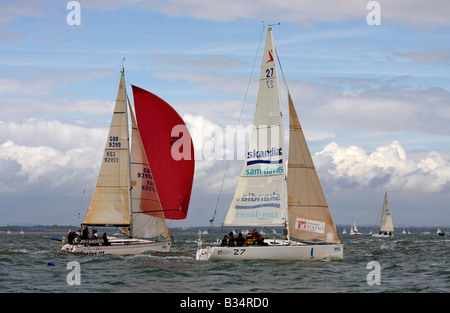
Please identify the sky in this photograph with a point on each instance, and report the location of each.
(370, 82)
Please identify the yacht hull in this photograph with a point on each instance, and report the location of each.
(382, 235)
(119, 247)
(293, 252)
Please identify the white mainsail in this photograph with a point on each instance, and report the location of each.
(354, 229)
(260, 196)
(110, 203)
(386, 218)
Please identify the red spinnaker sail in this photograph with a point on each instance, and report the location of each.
(173, 178)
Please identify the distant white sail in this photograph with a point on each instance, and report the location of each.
(386, 218)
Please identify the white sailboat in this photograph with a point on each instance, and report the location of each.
(126, 194)
(266, 196)
(354, 229)
(386, 226)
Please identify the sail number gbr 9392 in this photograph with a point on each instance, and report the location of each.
(114, 142)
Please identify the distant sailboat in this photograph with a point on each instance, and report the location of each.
(440, 232)
(354, 229)
(266, 197)
(344, 231)
(128, 193)
(386, 226)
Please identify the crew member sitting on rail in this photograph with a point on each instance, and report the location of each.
(249, 239)
(257, 238)
(240, 240)
(224, 241)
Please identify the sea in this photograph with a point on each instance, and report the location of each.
(406, 263)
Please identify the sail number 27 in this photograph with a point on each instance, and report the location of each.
(238, 251)
(269, 74)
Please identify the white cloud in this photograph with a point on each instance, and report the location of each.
(55, 134)
(44, 168)
(12, 10)
(410, 13)
(16, 87)
(391, 105)
(387, 166)
(438, 56)
(48, 156)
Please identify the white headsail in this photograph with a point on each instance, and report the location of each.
(110, 203)
(260, 196)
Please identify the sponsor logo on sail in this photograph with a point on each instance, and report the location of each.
(251, 203)
(273, 166)
(309, 225)
(254, 154)
(266, 198)
(270, 57)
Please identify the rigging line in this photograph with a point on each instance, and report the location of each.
(378, 219)
(282, 72)
(239, 121)
(100, 144)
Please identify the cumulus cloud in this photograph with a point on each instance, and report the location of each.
(43, 168)
(55, 134)
(48, 155)
(387, 166)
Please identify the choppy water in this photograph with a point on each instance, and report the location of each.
(408, 263)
